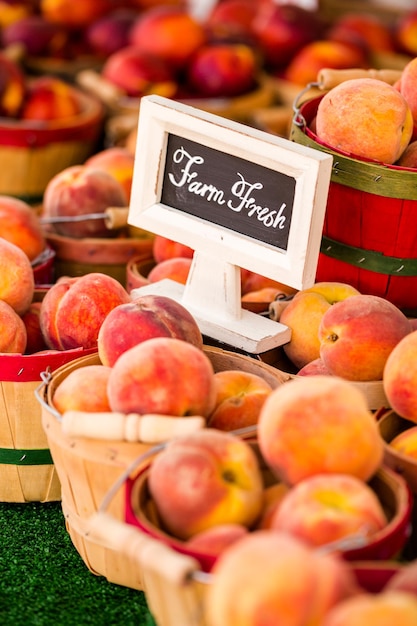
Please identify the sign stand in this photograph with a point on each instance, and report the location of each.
(241, 198)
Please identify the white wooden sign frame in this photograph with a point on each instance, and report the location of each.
(212, 293)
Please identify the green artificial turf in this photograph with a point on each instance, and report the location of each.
(45, 582)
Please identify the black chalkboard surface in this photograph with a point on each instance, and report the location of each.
(229, 191)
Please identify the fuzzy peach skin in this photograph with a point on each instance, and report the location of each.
(357, 336)
(251, 281)
(384, 609)
(17, 283)
(80, 190)
(319, 424)
(273, 496)
(31, 319)
(84, 389)
(367, 118)
(313, 368)
(409, 156)
(20, 224)
(145, 317)
(240, 396)
(205, 479)
(117, 161)
(270, 577)
(13, 335)
(50, 98)
(74, 308)
(163, 375)
(325, 508)
(407, 86)
(216, 539)
(303, 315)
(164, 248)
(406, 442)
(176, 268)
(400, 377)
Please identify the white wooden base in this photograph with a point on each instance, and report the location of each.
(246, 330)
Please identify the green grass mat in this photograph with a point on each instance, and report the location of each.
(45, 582)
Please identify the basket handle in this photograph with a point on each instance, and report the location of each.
(100, 87)
(328, 78)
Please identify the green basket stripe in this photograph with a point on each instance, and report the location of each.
(368, 259)
(11, 456)
(363, 176)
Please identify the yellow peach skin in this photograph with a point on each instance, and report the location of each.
(319, 424)
(17, 283)
(385, 609)
(367, 118)
(117, 161)
(20, 225)
(400, 377)
(407, 86)
(84, 389)
(406, 442)
(13, 335)
(205, 479)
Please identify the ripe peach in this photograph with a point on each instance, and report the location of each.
(139, 73)
(146, 316)
(216, 539)
(73, 309)
(163, 375)
(311, 58)
(164, 248)
(50, 98)
(78, 15)
(251, 281)
(12, 330)
(231, 20)
(270, 573)
(80, 190)
(363, 29)
(405, 32)
(303, 315)
(367, 118)
(404, 579)
(239, 398)
(17, 283)
(205, 479)
(400, 377)
(406, 442)
(11, 11)
(409, 156)
(110, 33)
(20, 225)
(12, 87)
(326, 508)
(313, 368)
(222, 70)
(319, 424)
(168, 33)
(31, 319)
(407, 86)
(37, 35)
(84, 389)
(273, 496)
(384, 608)
(118, 162)
(358, 334)
(176, 268)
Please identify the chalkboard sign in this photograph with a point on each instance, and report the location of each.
(240, 198)
(229, 191)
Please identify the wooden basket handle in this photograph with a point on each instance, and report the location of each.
(100, 87)
(328, 78)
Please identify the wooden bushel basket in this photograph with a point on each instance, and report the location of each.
(369, 234)
(27, 470)
(88, 467)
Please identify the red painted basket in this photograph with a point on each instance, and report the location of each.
(370, 229)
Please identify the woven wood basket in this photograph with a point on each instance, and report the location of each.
(175, 582)
(88, 467)
(31, 154)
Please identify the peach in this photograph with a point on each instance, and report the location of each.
(384, 608)
(138, 73)
(405, 32)
(216, 539)
(13, 336)
(273, 496)
(164, 248)
(17, 283)
(168, 33)
(251, 281)
(50, 98)
(176, 269)
(363, 29)
(118, 162)
(110, 33)
(204, 479)
(37, 35)
(12, 87)
(311, 58)
(80, 190)
(404, 579)
(74, 15)
(20, 224)
(313, 368)
(409, 156)
(400, 377)
(406, 442)
(327, 508)
(358, 334)
(163, 375)
(319, 424)
(12, 11)
(303, 315)
(367, 118)
(231, 20)
(222, 70)
(73, 309)
(145, 317)
(31, 319)
(84, 389)
(272, 577)
(407, 86)
(239, 398)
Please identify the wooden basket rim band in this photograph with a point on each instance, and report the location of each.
(368, 259)
(12, 456)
